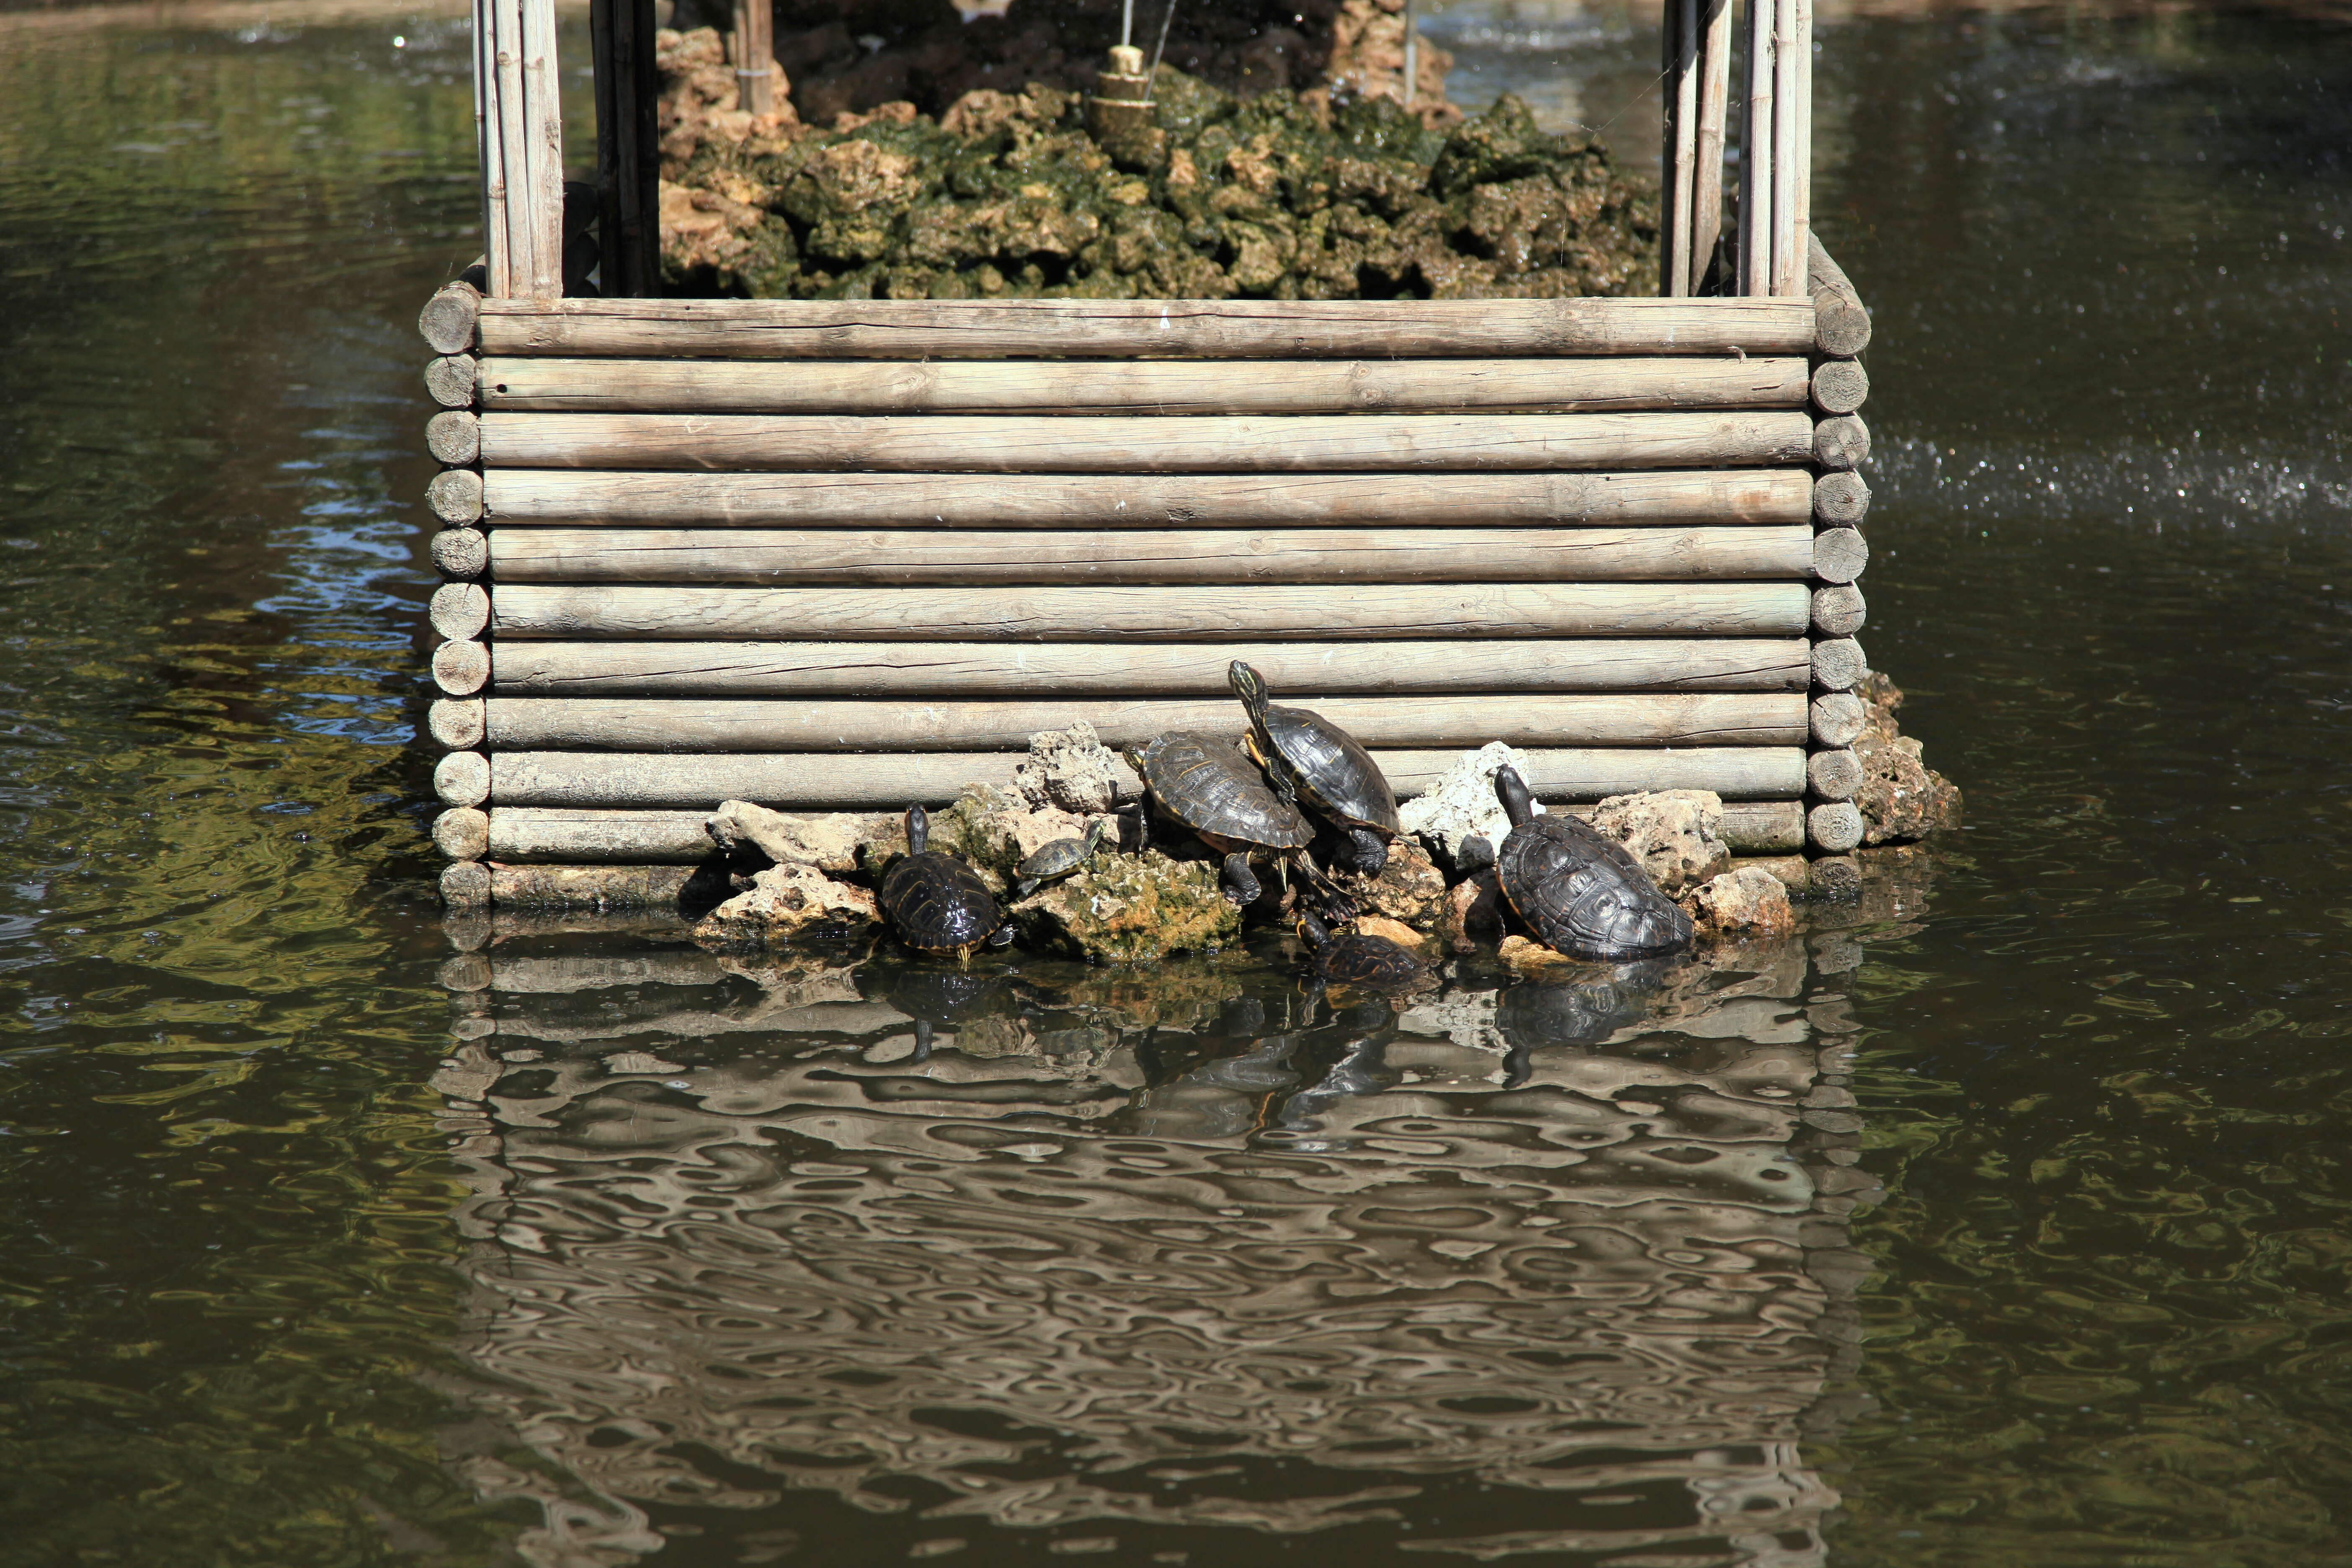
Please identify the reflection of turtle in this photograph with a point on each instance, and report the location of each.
(1579, 891)
(938, 903)
(1209, 788)
(1355, 959)
(1309, 758)
(1057, 860)
(1533, 1013)
(943, 997)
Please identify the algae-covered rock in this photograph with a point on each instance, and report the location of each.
(1132, 909)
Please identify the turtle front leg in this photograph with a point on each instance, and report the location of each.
(1241, 882)
(1371, 850)
(1002, 936)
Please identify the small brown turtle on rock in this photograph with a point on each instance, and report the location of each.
(1057, 860)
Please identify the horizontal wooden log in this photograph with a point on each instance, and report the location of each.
(1139, 386)
(951, 558)
(462, 778)
(459, 610)
(1840, 500)
(530, 833)
(635, 781)
(450, 380)
(1753, 496)
(1120, 445)
(587, 886)
(1294, 672)
(456, 497)
(1174, 614)
(569, 834)
(447, 319)
(456, 723)
(1833, 775)
(1122, 329)
(1835, 827)
(1840, 386)
(749, 724)
(1837, 719)
(461, 553)
(454, 437)
(1839, 611)
(1841, 325)
(1840, 554)
(1843, 442)
(1838, 664)
(466, 885)
(461, 668)
(462, 832)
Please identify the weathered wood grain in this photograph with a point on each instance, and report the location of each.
(462, 778)
(461, 553)
(1123, 444)
(1412, 611)
(1834, 775)
(449, 380)
(461, 668)
(1841, 324)
(456, 723)
(1840, 500)
(1839, 611)
(459, 611)
(1834, 828)
(454, 437)
(586, 887)
(950, 558)
(1837, 719)
(1840, 554)
(753, 724)
(1840, 442)
(462, 832)
(1143, 329)
(1840, 386)
(466, 885)
(1292, 670)
(1753, 496)
(455, 497)
(447, 319)
(1838, 664)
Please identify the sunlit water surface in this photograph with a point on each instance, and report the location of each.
(2006, 1223)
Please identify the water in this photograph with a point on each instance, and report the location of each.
(332, 1236)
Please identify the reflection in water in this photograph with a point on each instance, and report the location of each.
(1156, 1263)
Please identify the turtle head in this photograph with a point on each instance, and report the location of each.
(1512, 791)
(1094, 836)
(1313, 932)
(918, 830)
(1250, 687)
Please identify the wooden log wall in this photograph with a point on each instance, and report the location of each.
(847, 556)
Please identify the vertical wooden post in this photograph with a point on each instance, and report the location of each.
(1682, 81)
(1800, 234)
(1790, 23)
(755, 60)
(628, 167)
(1755, 156)
(1412, 57)
(520, 127)
(1714, 109)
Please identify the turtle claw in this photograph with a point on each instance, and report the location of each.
(1372, 852)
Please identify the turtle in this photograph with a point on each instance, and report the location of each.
(1057, 860)
(1579, 891)
(1354, 958)
(1206, 784)
(938, 903)
(1309, 758)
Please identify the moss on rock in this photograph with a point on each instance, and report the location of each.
(1132, 909)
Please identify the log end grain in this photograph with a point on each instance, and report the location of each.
(459, 610)
(1833, 776)
(1840, 500)
(456, 497)
(1835, 878)
(1839, 611)
(462, 778)
(450, 380)
(1837, 719)
(1838, 664)
(462, 832)
(1840, 554)
(461, 553)
(1843, 442)
(1840, 386)
(454, 437)
(456, 723)
(466, 885)
(461, 668)
(1834, 828)
(449, 318)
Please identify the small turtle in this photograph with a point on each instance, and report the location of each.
(1207, 785)
(1579, 892)
(1306, 757)
(1355, 959)
(938, 903)
(1057, 860)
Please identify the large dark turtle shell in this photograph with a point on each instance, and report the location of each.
(1335, 774)
(1208, 784)
(1584, 894)
(938, 903)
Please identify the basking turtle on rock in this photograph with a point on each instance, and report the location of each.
(1057, 860)
(1579, 892)
(1360, 961)
(1207, 786)
(936, 902)
(1309, 758)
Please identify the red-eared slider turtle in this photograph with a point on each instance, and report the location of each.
(1579, 892)
(1309, 758)
(1206, 784)
(1355, 959)
(938, 903)
(1057, 860)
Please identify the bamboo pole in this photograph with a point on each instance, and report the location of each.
(755, 62)
(522, 148)
(1141, 386)
(1145, 329)
(1801, 230)
(1714, 111)
(1206, 443)
(1756, 160)
(959, 558)
(751, 724)
(1788, 267)
(1681, 26)
(1476, 610)
(1752, 496)
(996, 668)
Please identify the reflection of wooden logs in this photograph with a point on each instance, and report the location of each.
(1840, 500)
(461, 668)
(1143, 329)
(1838, 611)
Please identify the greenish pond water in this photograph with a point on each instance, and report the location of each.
(331, 1236)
